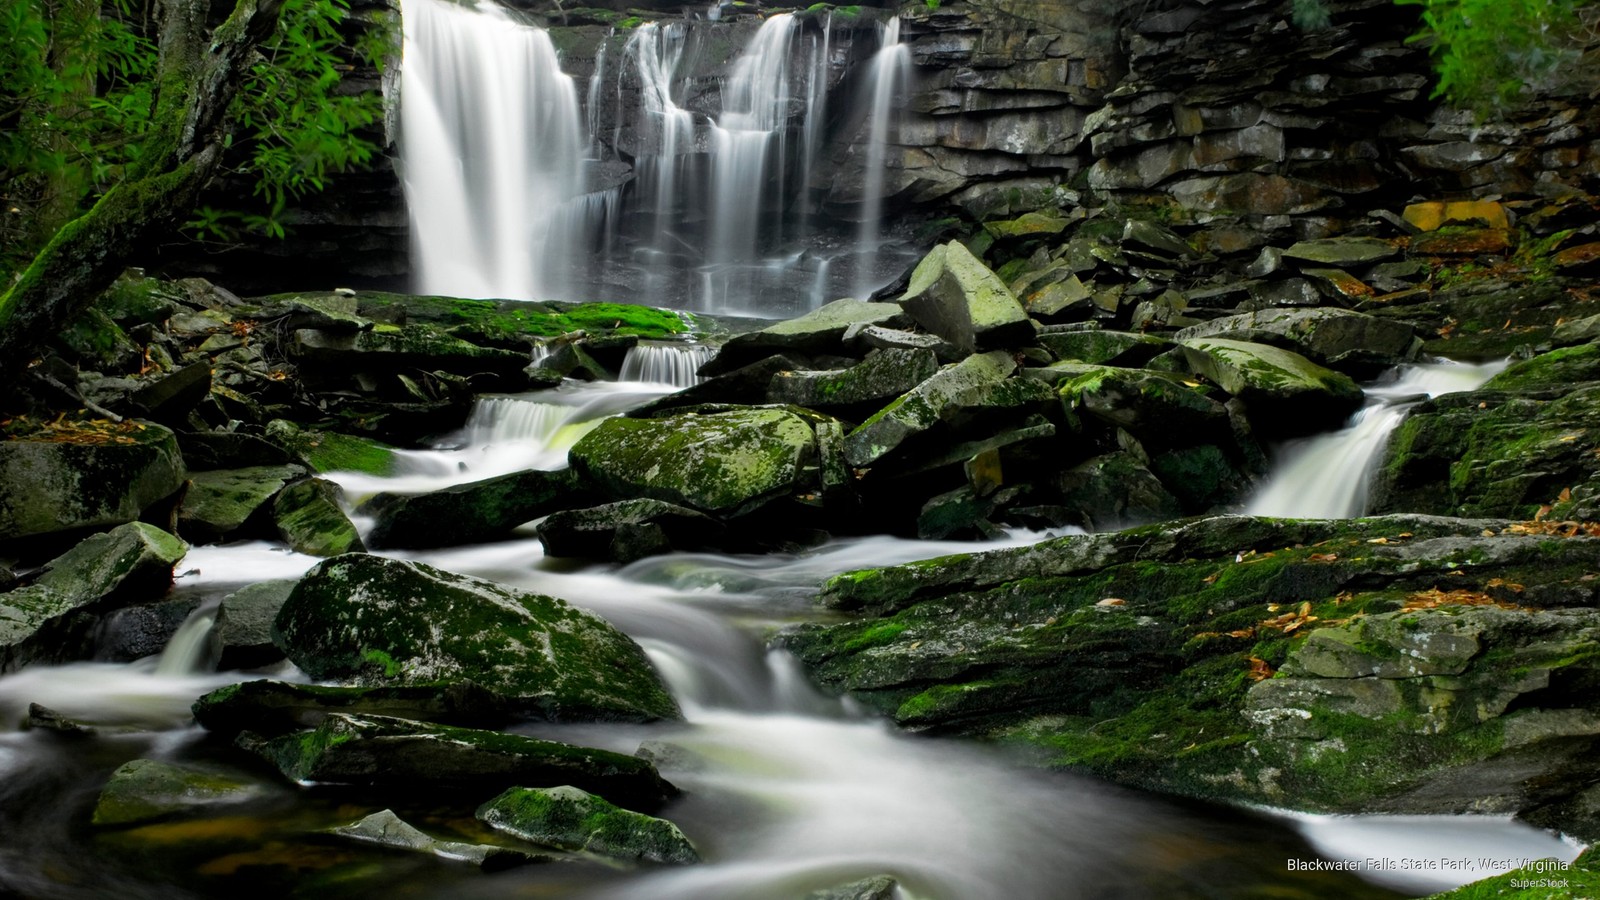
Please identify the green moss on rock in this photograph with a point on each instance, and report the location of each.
(567, 818)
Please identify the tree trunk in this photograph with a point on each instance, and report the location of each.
(199, 74)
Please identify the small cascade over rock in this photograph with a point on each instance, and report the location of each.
(659, 362)
(1326, 476)
(188, 652)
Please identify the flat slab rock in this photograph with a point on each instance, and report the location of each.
(385, 829)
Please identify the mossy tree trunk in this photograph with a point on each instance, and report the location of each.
(199, 73)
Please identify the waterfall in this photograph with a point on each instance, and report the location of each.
(188, 652)
(659, 362)
(890, 76)
(493, 150)
(1327, 476)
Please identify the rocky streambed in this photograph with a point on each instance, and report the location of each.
(1091, 377)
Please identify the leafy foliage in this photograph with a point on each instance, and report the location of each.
(1489, 53)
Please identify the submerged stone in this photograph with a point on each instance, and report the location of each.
(723, 463)
(385, 829)
(418, 758)
(147, 790)
(569, 818)
(377, 621)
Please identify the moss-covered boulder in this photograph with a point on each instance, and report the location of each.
(1159, 409)
(724, 463)
(89, 475)
(1420, 661)
(1351, 342)
(954, 295)
(1557, 370)
(1104, 347)
(148, 790)
(918, 410)
(273, 708)
(391, 348)
(1286, 393)
(1491, 453)
(1114, 490)
(385, 829)
(476, 512)
(883, 375)
(127, 563)
(222, 502)
(568, 818)
(311, 520)
(325, 451)
(378, 621)
(417, 758)
(879, 887)
(626, 530)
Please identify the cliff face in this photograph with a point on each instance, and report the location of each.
(1220, 115)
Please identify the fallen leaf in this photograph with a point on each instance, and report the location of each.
(1112, 601)
(1260, 670)
(1323, 557)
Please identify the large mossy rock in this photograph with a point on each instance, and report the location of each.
(568, 818)
(724, 463)
(820, 331)
(919, 409)
(1351, 342)
(148, 790)
(378, 621)
(1491, 453)
(883, 375)
(220, 503)
(417, 758)
(128, 563)
(954, 295)
(1286, 393)
(63, 480)
(1430, 658)
(311, 520)
(387, 348)
(475, 512)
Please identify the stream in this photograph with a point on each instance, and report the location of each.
(786, 791)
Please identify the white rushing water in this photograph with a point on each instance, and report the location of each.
(493, 147)
(890, 79)
(663, 362)
(1326, 476)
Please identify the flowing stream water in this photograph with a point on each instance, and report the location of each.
(786, 790)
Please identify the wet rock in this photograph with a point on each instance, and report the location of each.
(819, 331)
(746, 385)
(1111, 348)
(883, 375)
(626, 530)
(274, 708)
(375, 621)
(1342, 252)
(311, 519)
(957, 297)
(919, 409)
(128, 562)
(1157, 408)
(325, 451)
(241, 637)
(391, 348)
(1350, 342)
(220, 503)
(568, 818)
(141, 630)
(209, 450)
(147, 790)
(44, 718)
(170, 396)
(876, 337)
(881, 887)
(1286, 393)
(51, 482)
(418, 758)
(476, 512)
(385, 829)
(1557, 370)
(723, 463)
(1115, 491)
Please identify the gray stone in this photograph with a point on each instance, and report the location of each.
(884, 374)
(241, 637)
(1338, 338)
(1115, 491)
(385, 829)
(1099, 347)
(1286, 392)
(626, 530)
(221, 502)
(880, 887)
(1343, 252)
(568, 818)
(918, 410)
(819, 331)
(477, 511)
(274, 708)
(311, 519)
(388, 348)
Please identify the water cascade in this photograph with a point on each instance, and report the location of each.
(661, 362)
(189, 650)
(494, 155)
(1326, 476)
(890, 77)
